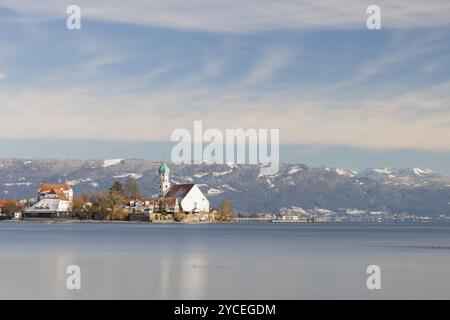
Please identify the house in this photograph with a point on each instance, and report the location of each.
(140, 205)
(55, 191)
(186, 198)
(139, 209)
(54, 200)
(167, 205)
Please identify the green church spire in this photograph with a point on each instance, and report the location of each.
(163, 169)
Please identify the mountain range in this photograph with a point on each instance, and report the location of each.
(412, 190)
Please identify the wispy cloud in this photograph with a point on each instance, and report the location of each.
(414, 120)
(388, 89)
(271, 62)
(246, 16)
(101, 61)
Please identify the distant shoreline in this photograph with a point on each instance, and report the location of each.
(110, 222)
(48, 221)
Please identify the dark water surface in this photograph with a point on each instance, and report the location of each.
(224, 261)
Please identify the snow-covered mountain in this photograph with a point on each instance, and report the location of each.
(413, 190)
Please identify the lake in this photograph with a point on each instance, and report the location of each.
(224, 261)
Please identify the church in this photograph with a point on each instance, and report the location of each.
(186, 198)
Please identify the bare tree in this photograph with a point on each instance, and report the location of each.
(131, 189)
(226, 211)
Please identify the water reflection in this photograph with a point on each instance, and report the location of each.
(222, 262)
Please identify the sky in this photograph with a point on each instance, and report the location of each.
(340, 94)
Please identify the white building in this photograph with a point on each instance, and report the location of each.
(53, 199)
(188, 197)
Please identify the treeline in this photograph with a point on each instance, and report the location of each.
(108, 205)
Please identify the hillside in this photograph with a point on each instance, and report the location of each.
(414, 190)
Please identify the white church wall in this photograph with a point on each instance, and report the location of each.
(195, 199)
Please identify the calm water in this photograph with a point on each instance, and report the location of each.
(234, 261)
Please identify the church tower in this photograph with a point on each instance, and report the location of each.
(164, 182)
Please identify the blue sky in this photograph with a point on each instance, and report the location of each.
(138, 70)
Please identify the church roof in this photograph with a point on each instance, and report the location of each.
(170, 202)
(179, 190)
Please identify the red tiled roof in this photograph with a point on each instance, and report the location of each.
(49, 186)
(59, 193)
(55, 188)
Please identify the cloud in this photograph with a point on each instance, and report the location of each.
(101, 61)
(271, 62)
(416, 120)
(2, 76)
(98, 86)
(246, 16)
